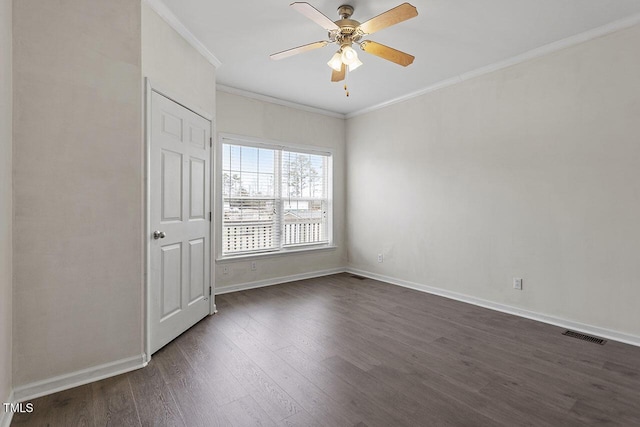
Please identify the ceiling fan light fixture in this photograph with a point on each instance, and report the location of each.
(346, 31)
(336, 61)
(349, 56)
(355, 65)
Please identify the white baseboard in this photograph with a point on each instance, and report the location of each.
(277, 280)
(78, 378)
(552, 320)
(5, 417)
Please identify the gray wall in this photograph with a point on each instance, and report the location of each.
(532, 171)
(6, 201)
(259, 119)
(78, 174)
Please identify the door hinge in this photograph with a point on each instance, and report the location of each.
(209, 216)
(210, 141)
(209, 290)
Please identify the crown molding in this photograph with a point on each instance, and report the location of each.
(165, 13)
(518, 59)
(278, 101)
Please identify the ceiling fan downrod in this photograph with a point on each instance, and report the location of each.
(346, 31)
(345, 11)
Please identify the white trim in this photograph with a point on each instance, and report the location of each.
(78, 378)
(213, 182)
(278, 101)
(540, 317)
(311, 249)
(532, 54)
(170, 18)
(5, 417)
(272, 144)
(432, 88)
(147, 219)
(149, 89)
(155, 87)
(165, 13)
(216, 203)
(277, 281)
(230, 138)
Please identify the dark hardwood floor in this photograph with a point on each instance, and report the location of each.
(338, 351)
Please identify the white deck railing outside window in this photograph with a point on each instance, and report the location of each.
(248, 237)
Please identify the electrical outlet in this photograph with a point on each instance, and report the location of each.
(253, 266)
(225, 269)
(517, 283)
(380, 258)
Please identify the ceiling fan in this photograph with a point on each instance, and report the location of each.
(346, 31)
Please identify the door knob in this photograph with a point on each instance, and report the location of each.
(159, 235)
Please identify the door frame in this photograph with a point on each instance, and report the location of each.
(149, 89)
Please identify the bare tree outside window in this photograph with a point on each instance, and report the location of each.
(273, 198)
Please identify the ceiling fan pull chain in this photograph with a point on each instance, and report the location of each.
(346, 79)
(346, 31)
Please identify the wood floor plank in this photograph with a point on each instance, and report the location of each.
(153, 398)
(113, 403)
(564, 371)
(191, 392)
(226, 387)
(538, 335)
(315, 347)
(630, 374)
(559, 388)
(272, 338)
(338, 351)
(428, 382)
(196, 407)
(73, 407)
(341, 391)
(301, 419)
(431, 408)
(529, 406)
(308, 396)
(269, 395)
(245, 412)
(317, 335)
(597, 413)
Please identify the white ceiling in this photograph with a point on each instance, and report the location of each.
(448, 38)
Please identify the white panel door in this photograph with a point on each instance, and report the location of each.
(179, 174)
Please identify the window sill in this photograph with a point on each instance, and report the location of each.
(245, 257)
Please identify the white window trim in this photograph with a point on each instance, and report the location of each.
(277, 145)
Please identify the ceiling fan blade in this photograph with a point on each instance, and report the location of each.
(337, 76)
(315, 15)
(390, 17)
(386, 52)
(296, 50)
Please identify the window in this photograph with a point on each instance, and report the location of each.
(275, 198)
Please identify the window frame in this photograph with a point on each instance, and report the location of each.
(228, 138)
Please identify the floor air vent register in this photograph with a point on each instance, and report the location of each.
(584, 337)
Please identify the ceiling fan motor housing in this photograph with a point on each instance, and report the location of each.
(348, 31)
